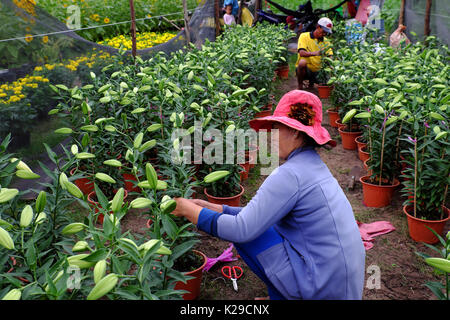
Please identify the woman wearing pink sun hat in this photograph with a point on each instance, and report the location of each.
(298, 233)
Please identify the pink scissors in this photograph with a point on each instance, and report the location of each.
(226, 271)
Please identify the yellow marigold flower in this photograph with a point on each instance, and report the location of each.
(106, 20)
(45, 39)
(28, 38)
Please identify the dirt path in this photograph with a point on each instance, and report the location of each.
(402, 273)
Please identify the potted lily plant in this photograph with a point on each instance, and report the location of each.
(325, 88)
(426, 176)
(382, 122)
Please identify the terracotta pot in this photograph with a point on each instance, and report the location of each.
(129, 180)
(233, 201)
(283, 71)
(376, 196)
(193, 285)
(360, 143)
(363, 155)
(343, 126)
(324, 91)
(339, 124)
(366, 166)
(246, 166)
(84, 184)
(418, 227)
(333, 115)
(252, 152)
(91, 196)
(348, 139)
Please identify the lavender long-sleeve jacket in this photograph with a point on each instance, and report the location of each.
(322, 255)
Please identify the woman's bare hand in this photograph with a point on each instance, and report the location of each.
(207, 205)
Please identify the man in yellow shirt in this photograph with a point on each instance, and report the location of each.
(311, 46)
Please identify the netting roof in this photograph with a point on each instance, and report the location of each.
(30, 36)
(414, 19)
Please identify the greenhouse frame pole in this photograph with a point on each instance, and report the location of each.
(217, 16)
(186, 23)
(257, 7)
(401, 19)
(427, 18)
(133, 29)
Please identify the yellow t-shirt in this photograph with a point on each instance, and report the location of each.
(310, 44)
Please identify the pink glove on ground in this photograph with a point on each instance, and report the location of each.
(370, 230)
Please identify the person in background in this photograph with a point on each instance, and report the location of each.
(228, 18)
(234, 4)
(246, 16)
(298, 234)
(311, 46)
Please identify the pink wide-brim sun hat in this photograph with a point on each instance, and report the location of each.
(316, 131)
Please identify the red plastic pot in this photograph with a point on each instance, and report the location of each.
(360, 143)
(283, 71)
(363, 155)
(366, 166)
(96, 205)
(129, 182)
(233, 201)
(193, 285)
(418, 227)
(375, 195)
(348, 139)
(84, 184)
(252, 152)
(324, 91)
(246, 167)
(333, 115)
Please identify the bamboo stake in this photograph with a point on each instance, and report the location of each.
(173, 24)
(443, 202)
(186, 23)
(415, 175)
(382, 150)
(446, 190)
(397, 147)
(133, 29)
